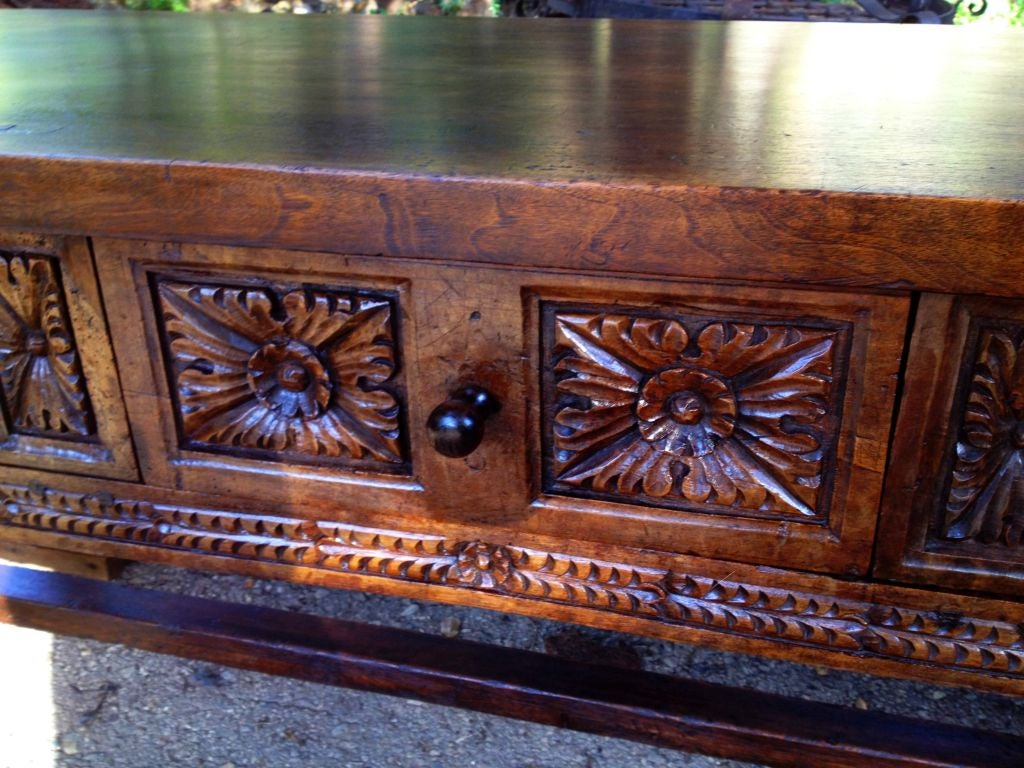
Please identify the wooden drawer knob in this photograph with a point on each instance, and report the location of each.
(456, 426)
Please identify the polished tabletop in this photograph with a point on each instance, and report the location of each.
(837, 107)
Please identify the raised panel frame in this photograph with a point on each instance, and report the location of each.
(441, 343)
(283, 372)
(93, 437)
(951, 386)
(870, 333)
(131, 272)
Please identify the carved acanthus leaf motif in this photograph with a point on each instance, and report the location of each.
(986, 497)
(301, 372)
(42, 379)
(742, 422)
(692, 600)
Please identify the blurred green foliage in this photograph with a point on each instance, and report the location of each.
(157, 5)
(999, 13)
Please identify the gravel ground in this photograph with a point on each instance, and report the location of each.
(120, 708)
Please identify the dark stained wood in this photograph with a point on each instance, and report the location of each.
(483, 326)
(456, 426)
(782, 106)
(661, 425)
(60, 399)
(247, 363)
(656, 709)
(869, 628)
(954, 512)
(702, 150)
(687, 260)
(72, 563)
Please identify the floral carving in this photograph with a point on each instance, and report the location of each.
(483, 565)
(303, 372)
(986, 497)
(696, 600)
(727, 414)
(40, 372)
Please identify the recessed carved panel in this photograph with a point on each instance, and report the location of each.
(44, 390)
(985, 501)
(695, 413)
(305, 374)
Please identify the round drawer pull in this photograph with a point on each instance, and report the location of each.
(456, 426)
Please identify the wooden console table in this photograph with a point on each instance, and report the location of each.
(710, 332)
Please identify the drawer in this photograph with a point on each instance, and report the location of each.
(282, 379)
(954, 511)
(59, 394)
(723, 421)
(714, 420)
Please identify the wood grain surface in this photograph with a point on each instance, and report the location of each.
(734, 151)
(687, 261)
(926, 111)
(643, 706)
(952, 513)
(455, 327)
(872, 628)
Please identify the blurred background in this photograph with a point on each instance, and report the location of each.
(996, 13)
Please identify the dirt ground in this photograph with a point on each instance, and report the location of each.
(81, 704)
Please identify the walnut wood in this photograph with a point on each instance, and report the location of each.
(866, 627)
(681, 149)
(954, 511)
(60, 402)
(688, 267)
(706, 104)
(485, 326)
(671, 428)
(74, 564)
(685, 714)
(294, 373)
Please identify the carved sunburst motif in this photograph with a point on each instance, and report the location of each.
(986, 498)
(303, 372)
(728, 414)
(42, 379)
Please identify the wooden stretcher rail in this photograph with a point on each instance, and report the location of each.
(656, 709)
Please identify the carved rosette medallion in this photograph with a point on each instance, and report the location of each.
(986, 496)
(43, 387)
(685, 411)
(486, 566)
(718, 416)
(288, 377)
(309, 374)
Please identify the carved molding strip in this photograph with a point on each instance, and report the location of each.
(722, 416)
(749, 610)
(40, 373)
(986, 496)
(305, 374)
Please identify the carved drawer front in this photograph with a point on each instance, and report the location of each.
(60, 400)
(301, 383)
(955, 501)
(262, 375)
(735, 423)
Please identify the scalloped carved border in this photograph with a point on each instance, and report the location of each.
(752, 610)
